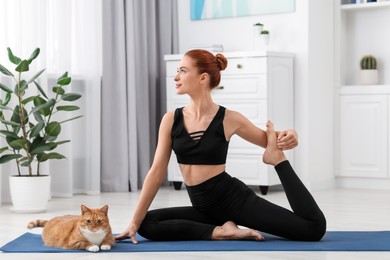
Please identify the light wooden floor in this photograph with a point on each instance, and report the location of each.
(345, 209)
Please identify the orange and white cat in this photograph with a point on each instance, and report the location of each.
(90, 231)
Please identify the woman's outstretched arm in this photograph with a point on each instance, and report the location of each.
(154, 178)
(236, 123)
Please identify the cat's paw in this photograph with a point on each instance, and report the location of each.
(93, 248)
(105, 247)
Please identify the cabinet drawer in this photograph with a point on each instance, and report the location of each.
(245, 65)
(241, 88)
(231, 88)
(238, 145)
(254, 110)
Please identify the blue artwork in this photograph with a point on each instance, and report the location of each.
(212, 9)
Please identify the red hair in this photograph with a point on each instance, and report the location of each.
(206, 62)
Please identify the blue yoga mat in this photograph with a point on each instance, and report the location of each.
(333, 241)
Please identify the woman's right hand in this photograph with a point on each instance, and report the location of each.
(129, 232)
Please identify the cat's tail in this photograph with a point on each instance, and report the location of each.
(37, 223)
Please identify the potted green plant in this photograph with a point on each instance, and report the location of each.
(264, 34)
(368, 70)
(30, 128)
(257, 28)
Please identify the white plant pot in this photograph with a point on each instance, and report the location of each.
(257, 30)
(369, 77)
(29, 194)
(261, 42)
(265, 39)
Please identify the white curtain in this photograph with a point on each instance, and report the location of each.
(137, 35)
(69, 34)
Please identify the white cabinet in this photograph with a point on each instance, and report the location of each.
(260, 86)
(364, 136)
(362, 112)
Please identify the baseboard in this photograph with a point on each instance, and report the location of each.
(363, 183)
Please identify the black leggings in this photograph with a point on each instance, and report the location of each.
(225, 198)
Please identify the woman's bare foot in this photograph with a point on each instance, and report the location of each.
(273, 154)
(230, 231)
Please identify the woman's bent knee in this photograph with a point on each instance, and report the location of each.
(319, 230)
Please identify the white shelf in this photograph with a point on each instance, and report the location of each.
(364, 89)
(352, 7)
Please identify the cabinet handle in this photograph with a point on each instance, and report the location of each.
(239, 66)
(220, 87)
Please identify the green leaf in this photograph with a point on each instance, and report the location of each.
(63, 75)
(37, 142)
(58, 90)
(36, 76)
(43, 157)
(4, 108)
(40, 90)
(5, 148)
(71, 96)
(20, 87)
(40, 149)
(64, 81)
(15, 60)
(9, 133)
(44, 108)
(36, 129)
(9, 122)
(38, 117)
(23, 85)
(63, 142)
(50, 138)
(7, 99)
(16, 116)
(23, 66)
(18, 143)
(34, 55)
(29, 99)
(52, 145)
(9, 140)
(70, 119)
(27, 162)
(67, 108)
(5, 71)
(5, 88)
(9, 157)
(53, 129)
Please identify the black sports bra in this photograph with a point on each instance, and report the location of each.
(207, 147)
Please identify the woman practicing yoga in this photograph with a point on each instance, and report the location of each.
(199, 134)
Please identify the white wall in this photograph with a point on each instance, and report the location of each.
(308, 33)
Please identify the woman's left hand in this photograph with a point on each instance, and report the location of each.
(287, 139)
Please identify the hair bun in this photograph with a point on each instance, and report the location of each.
(222, 61)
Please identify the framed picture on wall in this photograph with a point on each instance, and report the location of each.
(214, 9)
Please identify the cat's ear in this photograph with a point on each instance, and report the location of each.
(104, 209)
(84, 209)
